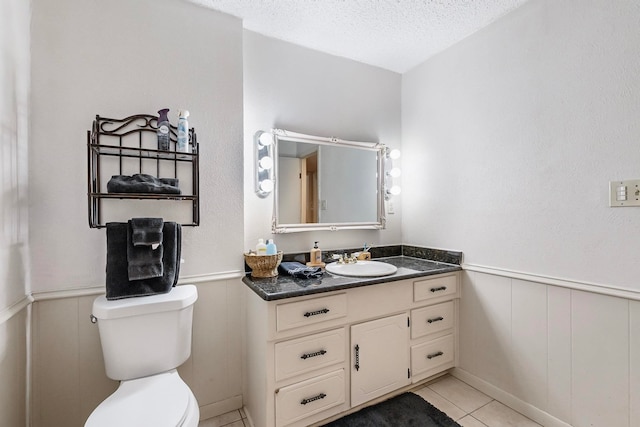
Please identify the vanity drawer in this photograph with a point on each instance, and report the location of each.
(435, 318)
(309, 397)
(311, 311)
(305, 354)
(432, 354)
(435, 288)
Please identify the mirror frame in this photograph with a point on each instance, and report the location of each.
(380, 149)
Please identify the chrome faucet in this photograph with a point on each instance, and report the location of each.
(345, 259)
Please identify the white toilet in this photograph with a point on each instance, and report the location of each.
(144, 340)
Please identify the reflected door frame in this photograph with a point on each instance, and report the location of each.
(309, 189)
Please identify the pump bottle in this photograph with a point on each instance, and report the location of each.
(315, 257)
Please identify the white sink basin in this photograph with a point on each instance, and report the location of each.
(362, 269)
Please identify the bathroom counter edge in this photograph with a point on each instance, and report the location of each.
(284, 286)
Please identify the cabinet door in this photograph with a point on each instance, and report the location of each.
(379, 357)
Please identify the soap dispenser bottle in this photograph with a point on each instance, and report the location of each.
(163, 132)
(315, 256)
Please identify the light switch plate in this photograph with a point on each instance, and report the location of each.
(624, 193)
(390, 208)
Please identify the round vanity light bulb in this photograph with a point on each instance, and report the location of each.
(394, 172)
(395, 190)
(394, 154)
(266, 163)
(265, 139)
(266, 185)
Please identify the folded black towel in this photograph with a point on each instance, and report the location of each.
(296, 269)
(118, 284)
(146, 231)
(143, 262)
(142, 183)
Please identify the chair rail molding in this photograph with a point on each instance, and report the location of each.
(98, 290)
(613, 291)
(8, 312)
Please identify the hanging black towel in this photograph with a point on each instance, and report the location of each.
(143, 262)
(146, 231)
(144, 248)
(118, 284)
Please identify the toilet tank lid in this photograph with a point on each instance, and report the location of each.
(178, 298)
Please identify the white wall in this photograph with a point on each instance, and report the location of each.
(117, 59)
(509, 138)
(301, 90)
(14, 264)
(512, 136)
(14, 137)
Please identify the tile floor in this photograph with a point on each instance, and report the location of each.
(235, 418)
(469, 407)
(463, 403)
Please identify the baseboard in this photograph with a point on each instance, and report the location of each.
(218, 408)
(248, 420)
(526, 409)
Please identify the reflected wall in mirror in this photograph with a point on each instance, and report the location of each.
(326, 183)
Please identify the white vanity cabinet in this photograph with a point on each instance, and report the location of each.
(433, 326)
(312, 357)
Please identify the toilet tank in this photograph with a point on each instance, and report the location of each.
(148, 335)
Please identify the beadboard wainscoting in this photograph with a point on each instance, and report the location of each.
(69, 380)
(13, 363)
(562, 353)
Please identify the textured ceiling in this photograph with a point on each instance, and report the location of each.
(393, 34)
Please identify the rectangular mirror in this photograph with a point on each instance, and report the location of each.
(326, 183)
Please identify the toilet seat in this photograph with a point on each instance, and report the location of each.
(154, 401)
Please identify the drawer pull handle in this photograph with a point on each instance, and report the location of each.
(435, 319)
(315, 313)
(313, 399)
(431, 356)
(441, 288)
(317, 353)
(357, 365)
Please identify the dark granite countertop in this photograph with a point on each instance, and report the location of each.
(285, 286)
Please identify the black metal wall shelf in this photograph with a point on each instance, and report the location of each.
(124, 139)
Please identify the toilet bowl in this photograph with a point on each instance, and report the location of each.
(143, 341)
(159, 400)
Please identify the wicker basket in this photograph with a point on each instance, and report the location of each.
(263, 265)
